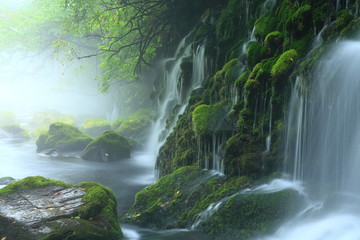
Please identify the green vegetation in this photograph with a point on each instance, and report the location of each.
(176, 199)
(134, 126)
(256, 214)
(96, 219)
(110, 146)
(31, 183)
(208, 119)
(96, 127)
(62, 137)
(284, 64)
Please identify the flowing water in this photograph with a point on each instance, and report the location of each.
(323, 148)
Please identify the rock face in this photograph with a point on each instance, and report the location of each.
(62, 137)
(40, 208)
(111, 146)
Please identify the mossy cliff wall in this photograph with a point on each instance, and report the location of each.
(256, 49)
(235, 123)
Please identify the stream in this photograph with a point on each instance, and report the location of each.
(125, 178)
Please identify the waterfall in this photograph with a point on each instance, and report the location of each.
(322, 148)
(176, 92)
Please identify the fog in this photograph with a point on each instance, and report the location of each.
(32, 83)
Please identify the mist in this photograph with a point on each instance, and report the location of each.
(33, 83)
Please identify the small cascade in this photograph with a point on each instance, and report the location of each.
(267, 6)
(276, 185)
(178, 87)
(251, 39)
(319, 38)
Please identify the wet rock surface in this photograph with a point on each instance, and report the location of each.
(33, 211)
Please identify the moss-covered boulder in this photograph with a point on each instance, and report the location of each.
(111, 146)
(16, 131)
(96, 127)
(175, 200)
(246, 216)
(284, 64)
(208, 119)
(225, 208)
(41, 208)
(135, 126)
(62, 137)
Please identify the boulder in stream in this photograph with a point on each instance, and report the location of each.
(62, 137)
(111, 146)
(41, 208)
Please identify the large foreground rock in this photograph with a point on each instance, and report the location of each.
(111, 146)
(62, 137)
(223, 208)
(40, 208)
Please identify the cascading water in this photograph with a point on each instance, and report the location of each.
(323, 148)
(176, 92)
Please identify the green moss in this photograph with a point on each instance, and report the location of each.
(301, 20)
(303, 45)
(96, 127)
(134, 126)
(264, 25)
(31, 183)
(207, 119)
(110, 146)
(284, 14)
(176, 199)
(255, 52)
(320, 12)
(63, 138)
(227, 24)
(96, 219)
(284, 64)
(256, 214)
(351, 31)
(343, 18)
(240, 82)
(274, 40)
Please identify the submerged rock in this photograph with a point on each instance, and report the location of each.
(111, 146)
(62, 137)
(40, 208)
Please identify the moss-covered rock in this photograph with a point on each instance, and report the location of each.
(264, 25)
(62, 137)
(255, 53)
(135, 126)
(301, 21)
(284, 64)
(16, 131)
(343, 18)
(96, 127)
(111, 146)
(176, 199)
(274, 40)
(208, 119)
(245, 216)
(47, 209)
